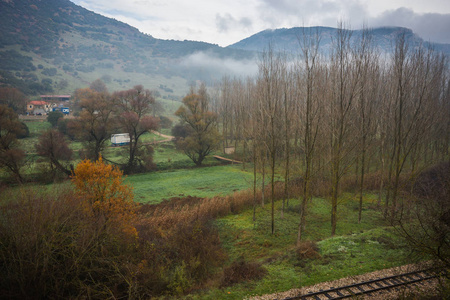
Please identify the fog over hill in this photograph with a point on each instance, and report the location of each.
(55, 46)
(288, 39)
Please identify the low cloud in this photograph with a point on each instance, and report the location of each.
(210, 67)
(227, 22)
(429, 26)
(311, 12)
(432, 27)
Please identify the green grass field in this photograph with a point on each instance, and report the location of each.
(35, 128)
(356, 249)
(199, 182)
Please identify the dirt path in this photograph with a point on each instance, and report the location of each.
(168, 137)
(227, 159)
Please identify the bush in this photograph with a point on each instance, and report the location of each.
(49, 71)
(307, 250)
(25, 131)
(64, 128)
(177, 259)
(52, 249)
(242, 271)
(87, 242)
(180, 131)
(434, 183)
(165, 122)
(53, 117)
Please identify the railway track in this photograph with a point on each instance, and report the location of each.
(371, 286)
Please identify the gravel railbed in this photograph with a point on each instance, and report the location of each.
(427, 288)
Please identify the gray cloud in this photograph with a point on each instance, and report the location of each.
(429, 26)
(210, 64)
(290, 13)
(223, 22)
(228, 22)
(311, 12)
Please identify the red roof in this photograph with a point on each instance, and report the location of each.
(55, 96)
(38, 103)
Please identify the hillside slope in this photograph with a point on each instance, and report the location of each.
(44, 43)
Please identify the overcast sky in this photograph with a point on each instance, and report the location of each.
(225, 22)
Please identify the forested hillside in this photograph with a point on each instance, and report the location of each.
(56, 46)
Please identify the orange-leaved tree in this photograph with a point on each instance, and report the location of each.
(104, 195)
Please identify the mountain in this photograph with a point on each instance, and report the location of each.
(57, 46)
(287, 39)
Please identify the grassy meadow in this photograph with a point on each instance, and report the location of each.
(199, 182)
(356, 249)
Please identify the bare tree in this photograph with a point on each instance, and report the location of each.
(99, 86)
(53, 146)
(344, 79)
(272, 69)
(427, 230)
(134, 107)
(95, 123)
(202, 135)
(309, 114)
(11, 156)
(416, 75)
(368, 89)
(226, 111)
(13, 98)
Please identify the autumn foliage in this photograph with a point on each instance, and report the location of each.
(103, 194)
(198, 123)
(87, 240)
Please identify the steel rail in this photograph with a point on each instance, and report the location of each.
(371, 286)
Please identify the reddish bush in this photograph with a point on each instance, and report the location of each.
(242, 271)
(307, 250)
(434, 183)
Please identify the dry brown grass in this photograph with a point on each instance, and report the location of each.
(185, 210)
(242, 271)
(307, 250)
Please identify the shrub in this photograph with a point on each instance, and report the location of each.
(434, 183)
(165, 122)
(49, 71)
(103, 194)
(25, 131)
(53, 117)
(179, 258)
(51, 249)
(307, 250)
(77, 243)
(242, 271)
(180, 131)
(65, 129)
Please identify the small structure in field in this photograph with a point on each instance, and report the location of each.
(120, 139)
